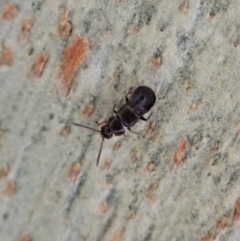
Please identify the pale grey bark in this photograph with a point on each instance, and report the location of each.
(197, 87)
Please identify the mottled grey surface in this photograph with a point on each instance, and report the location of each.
(198, 42)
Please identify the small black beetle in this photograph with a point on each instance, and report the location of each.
(140, 102)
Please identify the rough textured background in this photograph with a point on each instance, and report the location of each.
(179, 180)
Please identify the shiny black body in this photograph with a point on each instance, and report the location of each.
(140, 102)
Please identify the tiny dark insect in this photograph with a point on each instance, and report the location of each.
(141, 101)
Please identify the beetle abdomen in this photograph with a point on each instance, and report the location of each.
(142, 99)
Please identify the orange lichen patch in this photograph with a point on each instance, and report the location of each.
(27, 27)
(156, 62)
(117, 145)
(10, 12)
(6, 56)
(236, 215)
(118, 235)
(73, 57)
(26, 237)
(107, 164)
(150, 167)
(151, 127)
(4, 171)
(104, 207)
(74, 170)
(38, 66)
(193, 106)
(222, 224)
(179, 155)
(184, 7)
(66, 130)
(89, 109)
(65, 26)
(11, 188)
(210, 236)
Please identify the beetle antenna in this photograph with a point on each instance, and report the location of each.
(90, 128)
(100, 150)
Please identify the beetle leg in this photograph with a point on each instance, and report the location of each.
(129, 92)
(145, 119)
(101, 123)
(137, 133)
(114, 109)
(126, 96)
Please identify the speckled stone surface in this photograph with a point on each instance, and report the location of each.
(188, 52)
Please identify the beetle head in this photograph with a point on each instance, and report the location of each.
(106, 132)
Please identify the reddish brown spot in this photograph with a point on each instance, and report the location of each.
(4, 171)
(222, 224)
(66, 130)
(136, 29)
(236, 42)
(184, 7)
(150, 167)
(179, 155)
(6, 56)
(74, 170)
(238, 128)
(38, 66)
(212, 15)
(26, 237)
(132, 216)
(210, 236)
(157, 138)
(152, 198)
(10, 12)
(11, 188)
(116, 75)
(89, 109)
(104, 207)
(134, 157)
(153, 187)
(118, 235)
(65, 215)
(151, 127)
(150, 194)
(65, 26)
(156, 62)
(193, 107)
(107, 164)
(117, 145)
(73, 57)
(236, 215)
(27, 27)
